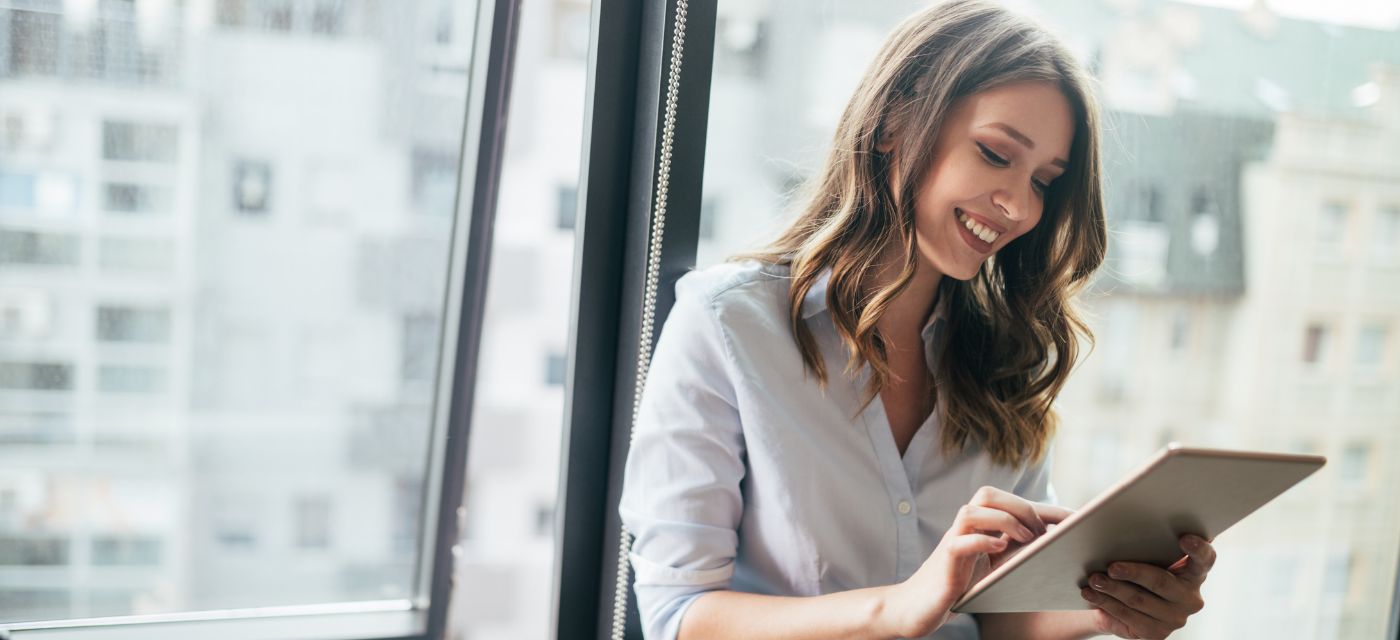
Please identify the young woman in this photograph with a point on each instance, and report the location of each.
(841, 434)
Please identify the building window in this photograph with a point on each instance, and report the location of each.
(17, 190)
(252, 186)
(544, 520)
(1385, 242)
(34, 41)
(566, 199)
(36, 376)
(1332, 224)
(555, 368)
(234, 521)
(130, 379)
(139, 142)
(1315, 344)
(130, 324)
(420, 341)
(34, 551)
(313, 522)
(42, 249)
(1354, 459)
(1181, 330)
(1370, 346)
(1147, 203)
(127, 551)
(120, 197)
(709, 218)
(1337, 575)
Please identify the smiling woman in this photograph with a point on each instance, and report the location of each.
(1233, 224)
(932, 267)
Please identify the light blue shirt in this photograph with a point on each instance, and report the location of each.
(743, 475)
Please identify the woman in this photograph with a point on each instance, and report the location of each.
(841, 434)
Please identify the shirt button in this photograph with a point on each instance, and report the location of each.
(904, 507)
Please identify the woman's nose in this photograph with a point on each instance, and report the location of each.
(1013, 204)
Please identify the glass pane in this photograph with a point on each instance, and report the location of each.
(1250, 296)
(222, 272)
(507, 550)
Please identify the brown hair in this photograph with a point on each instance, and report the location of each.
(1016, 332)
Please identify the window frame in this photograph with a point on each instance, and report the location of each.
(631, 47)
(425, 615)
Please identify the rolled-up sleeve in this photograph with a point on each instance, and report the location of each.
(681, 495)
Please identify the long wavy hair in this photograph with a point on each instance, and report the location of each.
(1014, 330)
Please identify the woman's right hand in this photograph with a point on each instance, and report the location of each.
(987, 531)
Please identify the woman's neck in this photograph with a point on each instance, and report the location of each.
(908, 312)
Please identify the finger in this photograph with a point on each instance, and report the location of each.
(1022, 509)
(1163, 583)
(1138, 599)
(1137, 622)
(1051, 514)
(972, 518)
(1104, 622)
(973, 544)
(1202, 558)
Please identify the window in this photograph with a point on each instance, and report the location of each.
(133, 324)
(122, 197)
(1332, 224)
(139, 142)
(434, 181)
(1353, 464)
(420, 340)
(1371, 346)
(126, 551)
(45, 193)
(39, 249)
(37, 551)
(252, 187)
(131, 379)
(1385, 240)
(188, 223)
(36, 376)
(568, 207)
(1315, 339)
(555, 368)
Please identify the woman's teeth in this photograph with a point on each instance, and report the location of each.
(986, 234)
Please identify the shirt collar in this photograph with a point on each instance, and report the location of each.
(815, 302)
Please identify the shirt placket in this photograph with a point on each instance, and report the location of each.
(903, 509)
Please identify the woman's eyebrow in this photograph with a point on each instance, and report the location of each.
(1025, 140)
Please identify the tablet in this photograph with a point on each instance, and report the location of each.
(1179, 491)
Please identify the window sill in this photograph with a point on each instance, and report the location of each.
(345, 621)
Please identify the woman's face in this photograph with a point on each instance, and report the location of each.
(995, 155)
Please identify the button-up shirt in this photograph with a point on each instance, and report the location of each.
(744, 475)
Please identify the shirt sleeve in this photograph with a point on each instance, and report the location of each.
(1035, 485)
(681, 495)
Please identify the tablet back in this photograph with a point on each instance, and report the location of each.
(1180, 491)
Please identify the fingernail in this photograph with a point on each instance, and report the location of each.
(1116, 571)
(1026, 535)
(1193, 543)
(1098, 582)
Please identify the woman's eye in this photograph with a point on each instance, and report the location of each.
(991, 156)
(1039, 186)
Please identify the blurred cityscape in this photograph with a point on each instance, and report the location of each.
(224, 228)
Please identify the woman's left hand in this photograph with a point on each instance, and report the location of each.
(1145, 601)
